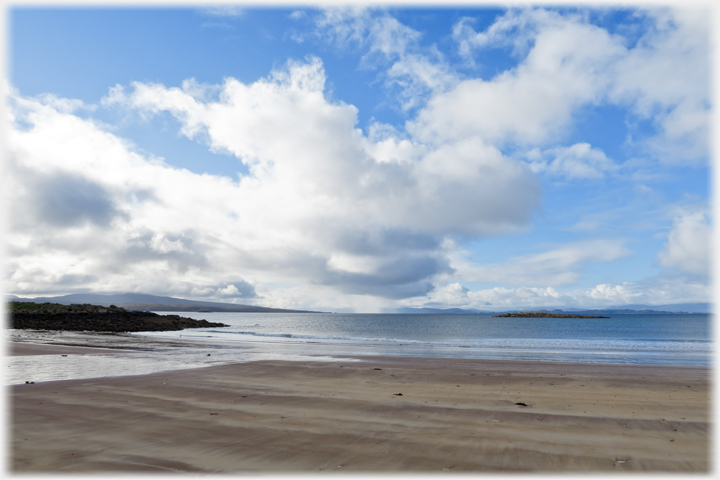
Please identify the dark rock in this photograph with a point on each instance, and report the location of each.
(95, 318)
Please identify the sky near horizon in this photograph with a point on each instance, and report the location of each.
(361, 159)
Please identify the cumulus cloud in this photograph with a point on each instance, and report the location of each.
(500, 298)
(566, 63)
(67, 200)
(688, 246)
(651, 292)
(660, 290)
(237, 289)
(534, 281)
(322, 203)
(534, 102)
(452, 294)
(324, 163)
(666, 78)
(327, 207)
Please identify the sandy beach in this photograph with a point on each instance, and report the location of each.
(374, 415)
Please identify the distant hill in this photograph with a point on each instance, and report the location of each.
(618, 310)
(702, 307)
(443, 311)
(150, 303)
(154, 303)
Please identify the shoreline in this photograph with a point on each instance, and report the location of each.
(15, 348)
(20, 349)
(459, 415)
(149, 342)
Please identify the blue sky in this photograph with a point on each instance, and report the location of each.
(361, 159)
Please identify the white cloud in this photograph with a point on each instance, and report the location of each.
(316, 204)
(688, 245)
(534, 102)
(567, 63)
(614, 294)
(324, 163)
(84, 203)
(559, 266)
(660, 290)
(344, 26)
(416, 75)
(452, 294)
(328, 208)
(224, 10)
(245, 291)
(387, 36)
(416, 71)
(577, 161)
(517, 28)
(499, 298)
(666, 78)
(297, 14)
(64, 105)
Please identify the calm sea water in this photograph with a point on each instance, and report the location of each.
(638, 339)
(622, 339)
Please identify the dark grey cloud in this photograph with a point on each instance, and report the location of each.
(403, 277)
(70, 279)
(384, 241)
(181, 251)
(66, 200)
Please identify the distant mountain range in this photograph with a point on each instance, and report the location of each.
(149, 303)
(616, 310)
(155, 303)
(443, 311)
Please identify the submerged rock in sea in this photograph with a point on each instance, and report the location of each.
(96, 318)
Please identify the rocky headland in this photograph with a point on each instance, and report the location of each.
(95, 318)
(545, 315)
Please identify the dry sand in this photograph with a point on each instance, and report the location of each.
(453, 415)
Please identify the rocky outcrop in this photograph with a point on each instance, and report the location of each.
(545, 315)
(95, 318)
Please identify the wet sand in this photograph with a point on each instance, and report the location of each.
(15, 349)
(376, 415)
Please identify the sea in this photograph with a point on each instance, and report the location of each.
(657, 339)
